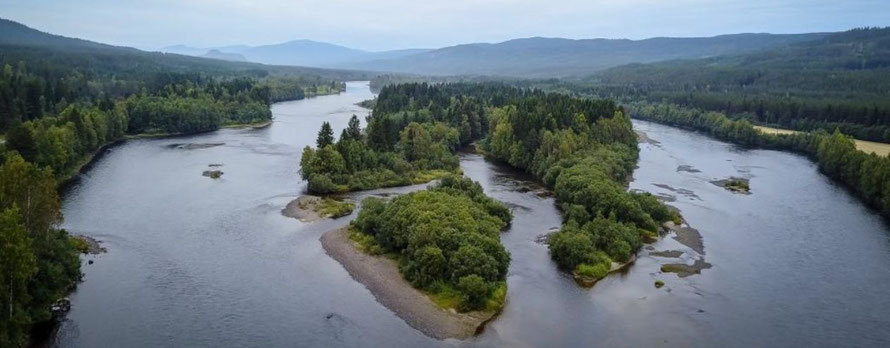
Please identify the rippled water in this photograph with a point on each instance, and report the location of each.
(199, 262)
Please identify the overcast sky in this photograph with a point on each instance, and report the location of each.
(393, 24)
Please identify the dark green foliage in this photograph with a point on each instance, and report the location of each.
(325, 136)
(38, 263)
(584, 150)
(475, 291)
(840, 81)
(447, 234)
(395, 152)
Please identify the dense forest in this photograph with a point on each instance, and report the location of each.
(447, 240)
(410, 137)
(840, 81)
(38, 262)
(63, 99)
(584, 149)
(867, 175)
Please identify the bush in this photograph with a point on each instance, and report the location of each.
(475, 291)
(442, 235)
(595, 271)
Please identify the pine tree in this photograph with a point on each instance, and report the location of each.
(354, 130)
(325, 136)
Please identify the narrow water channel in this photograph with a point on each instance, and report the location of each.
(194, 261)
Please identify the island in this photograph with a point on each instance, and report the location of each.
(433, 257)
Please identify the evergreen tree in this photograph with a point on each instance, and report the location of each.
(325, 136)
(354, 130)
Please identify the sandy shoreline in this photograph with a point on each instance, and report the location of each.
(381, 276)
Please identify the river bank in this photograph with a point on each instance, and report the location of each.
(381, 276)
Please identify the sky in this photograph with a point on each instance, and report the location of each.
(395, 24)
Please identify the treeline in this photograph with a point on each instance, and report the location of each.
(38, 263)
(447, 239)
(424, 153)
(585, 150)
(37, 89)
(867, 175)
(411, 137)
(841, 81)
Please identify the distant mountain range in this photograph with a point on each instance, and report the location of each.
(524, 58)
(19, 42)
(531, 57)
(298, 52)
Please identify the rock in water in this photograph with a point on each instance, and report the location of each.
(213, 174)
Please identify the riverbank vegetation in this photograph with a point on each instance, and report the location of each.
(410, 137)
(62, 100)
(352, 164)
(38, 262)
(866, 175)
(446, 239)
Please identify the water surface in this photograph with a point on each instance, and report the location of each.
(199, 262)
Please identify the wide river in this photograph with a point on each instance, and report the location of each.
(198, 262)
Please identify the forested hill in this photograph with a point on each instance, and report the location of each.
(19, 42)
(62, 98)
(841, 80)
(555, 57)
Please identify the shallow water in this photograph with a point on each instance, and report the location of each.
(194, 261)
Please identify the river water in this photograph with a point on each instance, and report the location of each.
(199, 262)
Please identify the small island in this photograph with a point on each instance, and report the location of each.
(445, 275)
(308, 208)
(734, 184)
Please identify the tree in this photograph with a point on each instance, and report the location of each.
(325, 136)
(17, 266)
(354, 130)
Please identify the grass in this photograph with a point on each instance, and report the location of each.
(881, 149)
(596, 271)
(446, 296)
(366, 243)
(80, 245)
(329, 207)
(423, 176)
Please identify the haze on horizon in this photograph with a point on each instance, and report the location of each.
(398, 24)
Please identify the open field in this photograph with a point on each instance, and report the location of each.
(881, 149)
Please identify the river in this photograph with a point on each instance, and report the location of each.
(194, 261)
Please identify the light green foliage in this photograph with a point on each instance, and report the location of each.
(333, 208)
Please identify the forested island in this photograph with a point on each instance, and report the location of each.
(445, 238)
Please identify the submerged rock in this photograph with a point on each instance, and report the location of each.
(194, 146)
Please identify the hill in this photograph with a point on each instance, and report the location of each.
(839, 80)
(300, 53)
(216, 54)
(556, 57)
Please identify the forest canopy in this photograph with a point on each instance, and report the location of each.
(447, 239)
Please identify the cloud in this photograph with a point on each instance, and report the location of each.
(389, 24)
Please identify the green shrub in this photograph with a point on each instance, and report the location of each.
(475, 291)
